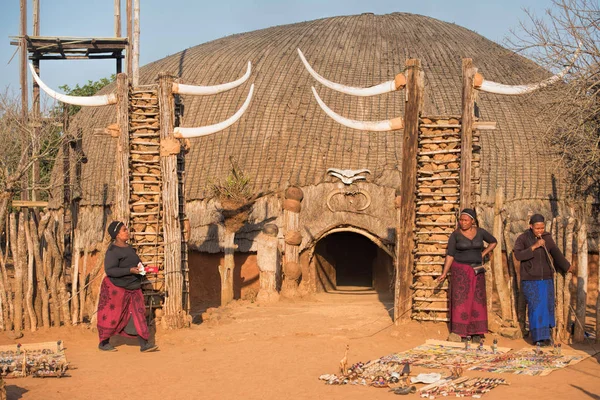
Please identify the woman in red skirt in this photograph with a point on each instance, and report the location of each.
(121, 308)
(464, 257)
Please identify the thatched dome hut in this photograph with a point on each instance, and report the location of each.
(285, 138)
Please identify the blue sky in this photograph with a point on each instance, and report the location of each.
(168, 26)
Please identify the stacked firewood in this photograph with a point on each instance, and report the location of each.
(145, 176)
(438, 192)
(437, 206)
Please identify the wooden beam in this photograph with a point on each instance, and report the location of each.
(121, 210)
(173, 271)
(466, 153)
(29, 203)
(408, 185)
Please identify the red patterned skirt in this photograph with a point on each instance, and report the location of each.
(468, 309)
(116, 306)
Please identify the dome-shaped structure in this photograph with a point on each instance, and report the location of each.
(285, 138)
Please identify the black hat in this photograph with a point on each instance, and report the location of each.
(535, 218)
(113, 229)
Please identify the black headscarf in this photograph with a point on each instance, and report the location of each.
(114, 228)
(535, 218)
(471, 213)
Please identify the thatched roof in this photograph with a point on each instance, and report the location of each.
(284, 137)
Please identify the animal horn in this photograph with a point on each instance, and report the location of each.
(86, 101)
(210, 129)
(499, 88)
(373, 126)
(397, 83)
(180, 88)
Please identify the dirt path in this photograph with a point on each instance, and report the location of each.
(268, 352)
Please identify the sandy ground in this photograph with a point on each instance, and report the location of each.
(268, 352)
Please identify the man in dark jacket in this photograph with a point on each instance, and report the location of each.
(540, 258)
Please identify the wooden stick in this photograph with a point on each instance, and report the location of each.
(76, 254)
(83, 290)
(39, 271)
(513, 281)
(582, 280)
(559, 283)
(53, 266)
(568, 279)
(501, 284)
(18, 280)
(30, 263)
(135, 56)
(117, 18)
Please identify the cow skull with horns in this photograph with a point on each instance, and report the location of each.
(178, 88)
(375, 126)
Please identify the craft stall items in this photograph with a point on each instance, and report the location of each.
(394, 369)
(39, 360)
(530, 362)
(461, 387)
(438, 354)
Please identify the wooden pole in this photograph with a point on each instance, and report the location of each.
(35, 143)
(135, 57)
(83, 290)
(117, 18)
(568, 278)
(513, 282)
(76, 255)
(582, 281)
(23, 57)
(174, 308)
(35, 168)
(501, 284)
(39, 270)
(408, 185)
(597, 306)
(466, 146)
(23, 82)
(129, 40)
(18, 281)
(30, 266)
(121, 210)
(36, 17)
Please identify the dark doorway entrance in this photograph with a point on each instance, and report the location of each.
(348, 259)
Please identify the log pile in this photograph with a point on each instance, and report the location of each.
(438, 191)
(145, 179)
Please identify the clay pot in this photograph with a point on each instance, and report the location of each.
(292, 205)
(294, 193)
(292, 270)
(293, 238)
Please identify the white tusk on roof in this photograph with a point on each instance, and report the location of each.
(499, 88)
(210, 129)
(373, 126)
(101, 100)
(180, 88)
(397, 83)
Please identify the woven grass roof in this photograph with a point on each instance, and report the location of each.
(284, 137)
